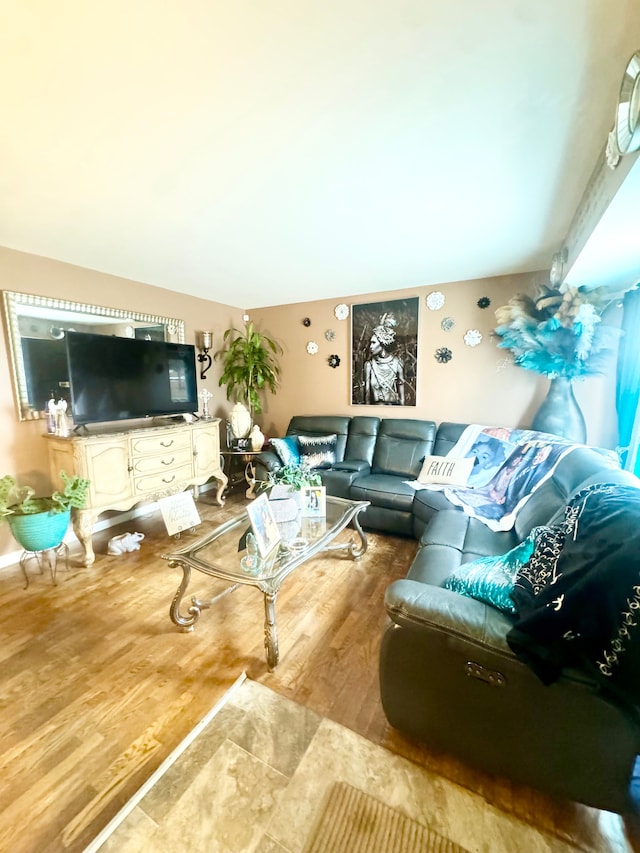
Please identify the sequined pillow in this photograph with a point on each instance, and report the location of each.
(287, 449)
(491, 579)
(318, 451)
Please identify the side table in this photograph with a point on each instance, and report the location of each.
(238, 466)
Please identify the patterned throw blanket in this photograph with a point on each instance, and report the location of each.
(578, 597)
(510, 465)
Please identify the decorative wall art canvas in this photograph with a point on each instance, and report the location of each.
(384, 353)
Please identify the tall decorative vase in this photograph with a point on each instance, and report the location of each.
(257, 438)
(560, 413)
(240, 420)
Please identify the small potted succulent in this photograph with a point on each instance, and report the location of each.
(296, 477)
(40, 523)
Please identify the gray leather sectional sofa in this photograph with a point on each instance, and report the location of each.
(448, 676)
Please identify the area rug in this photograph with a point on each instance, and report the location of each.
(354, 822)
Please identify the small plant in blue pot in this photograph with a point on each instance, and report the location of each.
(40, 523)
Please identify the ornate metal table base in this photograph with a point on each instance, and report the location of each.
(197, 605)
(269, 585)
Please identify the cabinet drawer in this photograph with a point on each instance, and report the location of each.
(158, 483)
(159, 464)
(167, 442)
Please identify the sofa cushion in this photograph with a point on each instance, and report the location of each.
(383, 490)
(361, 440)
(337, 481)
(491, 579)
(447, 437)
(581, 467)
(468, 535)
(402, 446)
(317, 451)
(322, 425)
(287, 449)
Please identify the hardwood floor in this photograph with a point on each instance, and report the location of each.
(97, 685)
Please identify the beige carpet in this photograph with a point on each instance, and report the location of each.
(354, 822)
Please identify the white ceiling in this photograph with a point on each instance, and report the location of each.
(261, 152)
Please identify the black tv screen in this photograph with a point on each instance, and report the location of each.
(115, 378)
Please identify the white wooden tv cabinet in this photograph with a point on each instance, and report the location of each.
(128, 466)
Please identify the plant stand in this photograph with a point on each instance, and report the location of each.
(47, 558)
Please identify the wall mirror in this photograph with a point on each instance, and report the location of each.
(36, 328)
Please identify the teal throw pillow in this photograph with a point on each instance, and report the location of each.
(491, 579)
(287, 449)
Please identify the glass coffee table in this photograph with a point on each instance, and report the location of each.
(222, 554)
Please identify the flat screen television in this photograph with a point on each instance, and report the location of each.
(113, 378)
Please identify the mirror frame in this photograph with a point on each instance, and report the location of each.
(174, 331)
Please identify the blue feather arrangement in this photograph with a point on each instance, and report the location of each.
(559, 333)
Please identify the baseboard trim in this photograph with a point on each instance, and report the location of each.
(13, 557)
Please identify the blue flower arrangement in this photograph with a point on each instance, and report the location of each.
(559, 333)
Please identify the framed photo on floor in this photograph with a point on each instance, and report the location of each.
(263, 524)
(313, 502)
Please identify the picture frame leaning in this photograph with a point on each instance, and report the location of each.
(313, 502)
(263, 525)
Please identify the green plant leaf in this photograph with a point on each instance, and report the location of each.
(249, 365)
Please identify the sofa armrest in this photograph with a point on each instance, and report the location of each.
(357, 465)
(267, 461)
(417, 605)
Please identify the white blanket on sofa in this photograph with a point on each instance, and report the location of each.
(511, 464)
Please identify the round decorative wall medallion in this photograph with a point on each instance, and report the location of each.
(306, 322)
(334, 360)
(484, 302)
(447, 324)
(443, 355)
(312, 347)
(341, 311)
(435, 300)
(627, 125)
(330, 335)
(472, 338)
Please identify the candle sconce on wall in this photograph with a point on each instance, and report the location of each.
(204, 342)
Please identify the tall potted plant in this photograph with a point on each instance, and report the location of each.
(249, 366)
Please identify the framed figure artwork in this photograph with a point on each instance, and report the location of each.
(384, 352)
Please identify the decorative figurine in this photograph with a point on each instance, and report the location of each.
(205, 396)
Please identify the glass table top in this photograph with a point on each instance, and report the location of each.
(223, 553)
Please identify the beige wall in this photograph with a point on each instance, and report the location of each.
(474, 386)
